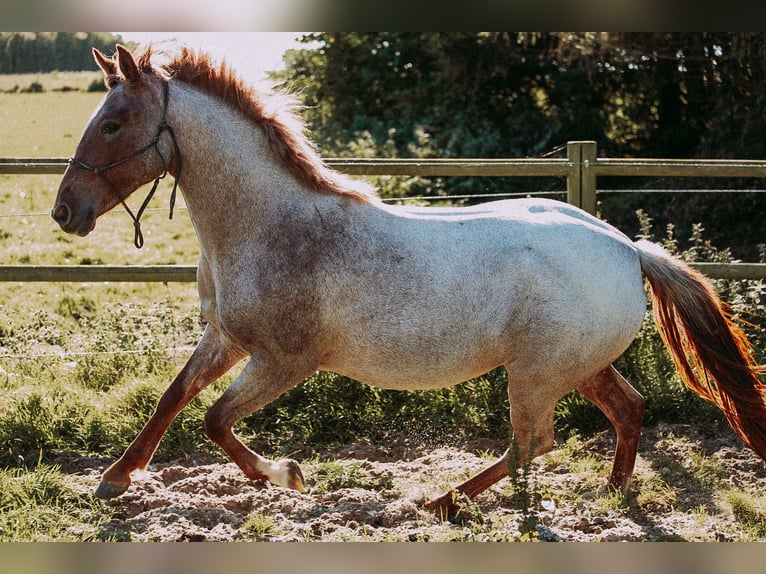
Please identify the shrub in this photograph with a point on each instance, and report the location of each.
(97, 85)
(33, 88)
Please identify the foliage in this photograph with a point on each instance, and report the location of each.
(334, 475)
(332, 409)
(496, 94)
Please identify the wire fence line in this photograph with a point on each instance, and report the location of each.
(469, 196)
(402, 199)
(73, 354)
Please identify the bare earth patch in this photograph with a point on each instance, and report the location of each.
(681, 491)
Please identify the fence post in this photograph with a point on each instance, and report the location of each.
(581, 183)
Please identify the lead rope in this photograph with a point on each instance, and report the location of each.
(138, 238)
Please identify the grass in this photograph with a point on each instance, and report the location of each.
(679, 480)
(334, 475)
(749, 511)
(43, 504)
(44, 125)
(262, 527)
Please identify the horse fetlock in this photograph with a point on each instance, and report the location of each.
(287, 473)
(620, 482)
(448, 506)
(108, 489)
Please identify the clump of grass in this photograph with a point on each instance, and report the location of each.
(262, 527)
(76, 308)
(653, 492)
(334, 475)
(40, 505)
(749, 510)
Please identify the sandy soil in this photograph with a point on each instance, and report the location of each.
(375, 493)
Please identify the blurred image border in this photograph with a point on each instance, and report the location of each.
(349, 15)
(383, 558)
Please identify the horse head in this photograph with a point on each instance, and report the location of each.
(122, 147)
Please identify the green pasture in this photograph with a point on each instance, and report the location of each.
(82, 365)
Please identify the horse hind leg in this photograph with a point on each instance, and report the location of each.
(532, 421)
(624, 407)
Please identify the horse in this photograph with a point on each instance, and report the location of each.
(303, 268)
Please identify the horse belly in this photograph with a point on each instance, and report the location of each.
(387, 367)
(444, 338)
(561, 297)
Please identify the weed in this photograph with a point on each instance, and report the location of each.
(525, 497)
(262, 526)
(78, 309)
(334, 475)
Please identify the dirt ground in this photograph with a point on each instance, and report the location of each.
(375, 493)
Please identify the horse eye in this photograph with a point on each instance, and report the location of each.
(110, 128)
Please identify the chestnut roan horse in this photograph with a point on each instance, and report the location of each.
(302, 269)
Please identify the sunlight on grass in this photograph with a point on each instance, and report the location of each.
(749, 510)
(262, 527)
(334, 475)
(44, 125)
(42, 505)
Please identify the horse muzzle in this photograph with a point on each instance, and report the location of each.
(80, 222)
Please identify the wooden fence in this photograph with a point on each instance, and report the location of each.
(581, 168)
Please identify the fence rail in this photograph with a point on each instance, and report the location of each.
(581, 168)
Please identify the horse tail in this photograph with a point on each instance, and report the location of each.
(712, 353)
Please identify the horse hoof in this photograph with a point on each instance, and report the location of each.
(444, 507)
(454, 506)
(294, 476)
(108, 490)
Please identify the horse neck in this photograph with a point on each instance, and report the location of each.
(231, 180)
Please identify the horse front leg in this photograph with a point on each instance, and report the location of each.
(255, 387)
(211, 359)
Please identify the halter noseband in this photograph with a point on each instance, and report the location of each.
(138, 239)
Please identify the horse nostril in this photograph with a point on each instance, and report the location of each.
(61, 214)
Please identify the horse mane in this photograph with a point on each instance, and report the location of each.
(285, 132)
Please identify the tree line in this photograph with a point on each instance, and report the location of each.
(37, 52)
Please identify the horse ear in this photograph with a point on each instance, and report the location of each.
(107, 65)
(128, 65)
